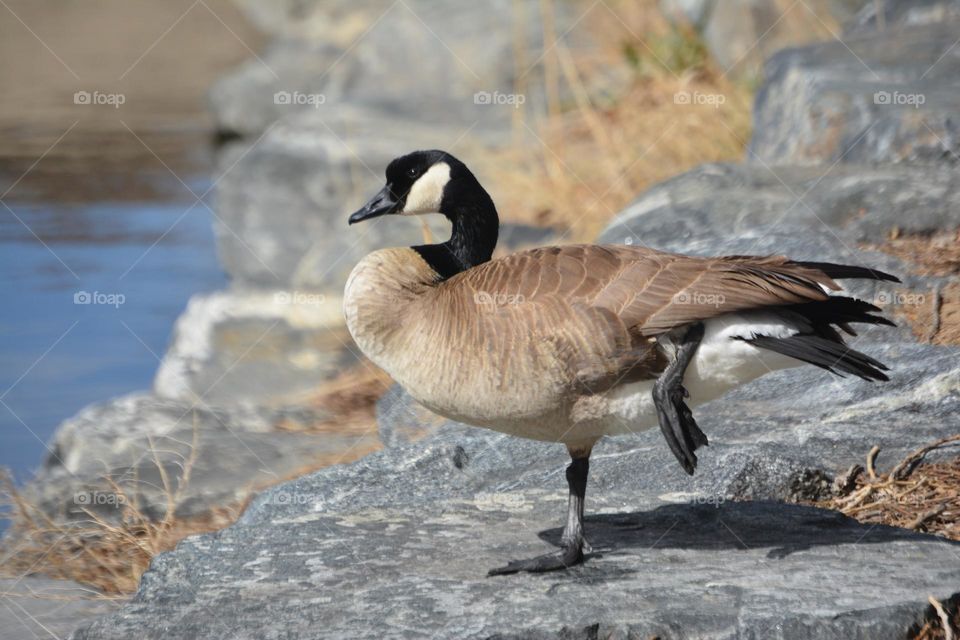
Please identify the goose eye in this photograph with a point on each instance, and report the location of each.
(412, 172)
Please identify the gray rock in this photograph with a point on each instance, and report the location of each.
(872, 97)
(856, 203)
(368, 53)
(237, 452)
(402, 420)
(397, 544)
(902, 13)
(270, 348)
(35, 607)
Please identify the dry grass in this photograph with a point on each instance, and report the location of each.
(108, 554)
(917, 495)
(933, 316)
(349, 400)
(620, 129)
(941, 622)
(936, 254)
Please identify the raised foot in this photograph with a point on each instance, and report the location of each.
(680, 430)
(568, 557)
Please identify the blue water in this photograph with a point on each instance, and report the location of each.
(58, 355)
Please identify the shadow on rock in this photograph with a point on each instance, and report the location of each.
(782, 529)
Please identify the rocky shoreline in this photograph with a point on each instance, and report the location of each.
(398, 544)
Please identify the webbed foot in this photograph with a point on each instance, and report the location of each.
(569, 556)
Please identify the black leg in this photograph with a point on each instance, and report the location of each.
(572, 542)
(676, 420)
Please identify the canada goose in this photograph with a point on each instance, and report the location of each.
(572, 343)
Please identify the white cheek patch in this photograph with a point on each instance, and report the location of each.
(427, 192)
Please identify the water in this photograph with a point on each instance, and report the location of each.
(86, 317)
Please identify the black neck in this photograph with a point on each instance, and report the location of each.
(474, 237)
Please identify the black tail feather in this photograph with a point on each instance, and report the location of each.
(847, 271)
(819, 343)
(825, 353)
(839, 310)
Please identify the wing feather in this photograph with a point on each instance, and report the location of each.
(602, 307)
(648, 290)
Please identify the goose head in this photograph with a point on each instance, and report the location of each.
(435, 182)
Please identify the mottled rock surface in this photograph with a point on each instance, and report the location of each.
(397, 544)
(402, 420)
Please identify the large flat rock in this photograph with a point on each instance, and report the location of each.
(397, 544)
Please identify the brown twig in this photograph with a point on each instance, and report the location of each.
(917, 495)
(948, 630)
(871, 459)
(907, 465)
